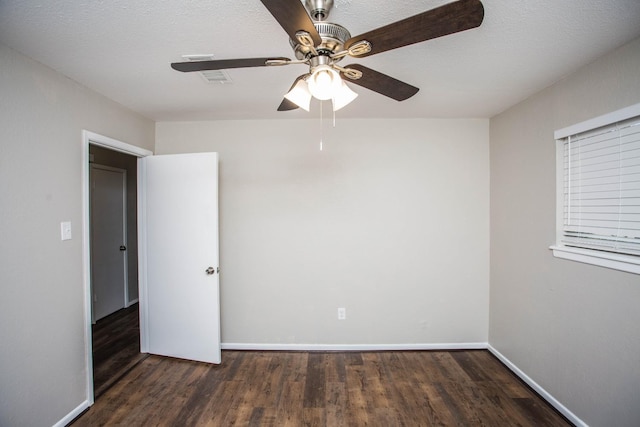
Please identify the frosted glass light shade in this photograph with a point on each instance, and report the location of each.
(300, 95)
(343, 96)
(324, 82)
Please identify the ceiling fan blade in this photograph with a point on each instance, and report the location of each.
(222, 64)
(381, 83)
(292, 17)
(287, 105)
(447, 19)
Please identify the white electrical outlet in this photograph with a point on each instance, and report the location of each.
(342, 313)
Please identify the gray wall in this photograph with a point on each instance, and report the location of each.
(42, 324)
(573, 328)
(390, 221)
(103, 156)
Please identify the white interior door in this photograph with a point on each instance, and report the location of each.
(108, 238)
(179, 275)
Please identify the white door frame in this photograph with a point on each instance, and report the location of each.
(90, 138)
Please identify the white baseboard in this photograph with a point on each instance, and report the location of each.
(73, 414)
(541, 391)
(353, 347)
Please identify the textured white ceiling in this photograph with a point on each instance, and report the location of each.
(122, 49)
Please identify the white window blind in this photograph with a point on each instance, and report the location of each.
(602, 188)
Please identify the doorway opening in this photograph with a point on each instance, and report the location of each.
(112, 333)
(114, 266)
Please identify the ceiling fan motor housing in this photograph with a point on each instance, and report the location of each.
(333, 38)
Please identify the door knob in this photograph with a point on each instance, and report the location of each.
(123, 248)
(210, 270)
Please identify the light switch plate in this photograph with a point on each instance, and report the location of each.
(65, 230)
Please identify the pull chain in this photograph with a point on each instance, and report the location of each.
(321, 125)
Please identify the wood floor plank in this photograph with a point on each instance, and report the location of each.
(419, 371)
(439, 413)
(477, 407)
(450, 369)
(296, 367)
(256, 417)
(232, 361)
(503, 404)
(356, 408)
(117, 404)
(374, 375)
(457, 408)
(424, 367)
(259, 371)
(467, 362)
(538, 412)
(314, 417)
(269, 391)
(220, 403)
(238, 408)
(160, 403)
(314, 389)
(336, 402)
(290, 406)
(268, 418)
(334, 367)
(413, 405)
(116, 347)
(201, 387)
(353, 358)
(384, 417)
(511, 384)
(396, 388)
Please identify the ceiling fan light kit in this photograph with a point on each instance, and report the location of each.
(336, 90)
(300, 95)
(343, 97)
(321, 45)
(324, 82)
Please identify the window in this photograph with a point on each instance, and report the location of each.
(599, 191)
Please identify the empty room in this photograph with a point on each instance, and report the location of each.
(320, 212)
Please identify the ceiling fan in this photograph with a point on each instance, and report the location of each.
(321, 45)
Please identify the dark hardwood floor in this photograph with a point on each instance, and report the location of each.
(405, 388)
(116, 347)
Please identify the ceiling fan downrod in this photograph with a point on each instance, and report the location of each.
(319, 9)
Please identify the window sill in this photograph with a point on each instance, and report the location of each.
(602, 259)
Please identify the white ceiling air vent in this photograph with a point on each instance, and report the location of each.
(211, 76)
